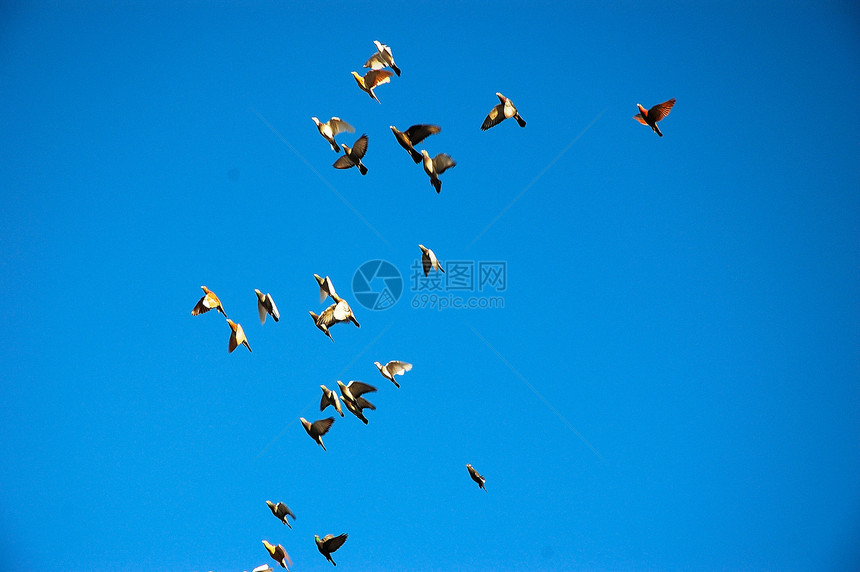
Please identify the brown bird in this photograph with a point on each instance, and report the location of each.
(329, 397)
(329, 544)
(653, 115)
(352, 398)
(281, 511)
(393, 368)
(372, 79)
(429, 260)
(500, 112)
(325, 320)
(317, 429)
(331, 128)
(209, 301)
(237, 336)
(266, 307)
(383, 58)
(413, 136)
(278, 554)
(476, 477)
(326, 287)
(352, 157)
(436, 166)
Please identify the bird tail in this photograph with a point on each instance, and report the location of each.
(396, 384)
(354, 321)
(657, 131)
(362, 168)
(437, 184)
(335, 147)
(416, 156)
(520, 120)
(396, 69)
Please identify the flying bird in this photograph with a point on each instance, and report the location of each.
(342, 311)
(331, 128)
(209, 301)
(413, 136)
(329, 397)
(237, 336)
(326, 287)
(393, 368)
(263, 568)
(352, 157)
(436, 166)
(278, 554)
(429, 260)
(651, 116)
(329, 544)
(317, 429)
(372, 79)
(476, 477)
(325, 320)
(352, 398)
(266, 306)
(382, 58)
(281, 511)
(500, 112)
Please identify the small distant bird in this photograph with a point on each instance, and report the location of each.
(342, 311)
(651, 116)
(476, 477)
(413, 136)
(372, 79)
(352, 398)
(329, 397)
(352, 157)
(263, 568)
(281, 511)
(325, 320)
(382, 58)
(331, 128)
(278, 554)
(500, 112)
(317, 429)
(329, 544)
(326, 287)
(393, 368)
(429, 260)
(436, 166)
(237, 336)
(209, 301)
(266, 306)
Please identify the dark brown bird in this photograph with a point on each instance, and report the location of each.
(436, 166)
(329, 544)
(476, 477)
(413, 136)
(352, 398)
(653, 115)
(500, 112)
(317, 429)
(352, 157)
(281, 511)
(209, 301)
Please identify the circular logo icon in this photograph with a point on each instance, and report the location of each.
(377, 285)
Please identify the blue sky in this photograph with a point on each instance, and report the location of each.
(673, 381)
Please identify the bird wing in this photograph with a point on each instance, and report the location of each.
(638, 117)
(270, 302)
(362, 403)
(322, 426)
(261, 310)
(417, 133)
(324, 401)
(359, 388)
(443, 162)
(343, 162)
(327, 316)
(360, 147)
(375, 62)
(398, 367)
(377, 77)
(338, 125)
(332, 543)
(425, 262)
(341, 311)
(233, 343)
(661, 110)
(287, 511)
(493, 118)
(200, 307)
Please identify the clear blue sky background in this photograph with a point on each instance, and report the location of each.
(689, 305)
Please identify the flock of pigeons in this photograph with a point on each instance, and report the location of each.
(352, 394)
